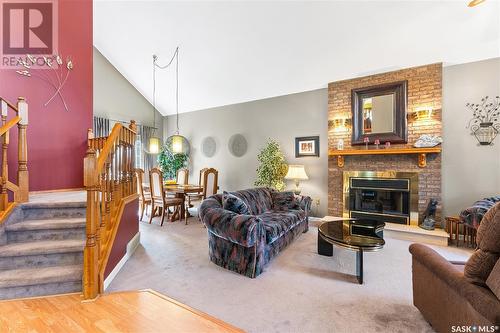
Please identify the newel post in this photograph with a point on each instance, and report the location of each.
(4, 198)
(133, 127)
(22, 170)
(91, 252)
(90, 136)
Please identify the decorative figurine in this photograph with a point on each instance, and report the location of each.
(340, 144)
(387, 145)
(429, 215)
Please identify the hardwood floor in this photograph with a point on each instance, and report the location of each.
(134, 311)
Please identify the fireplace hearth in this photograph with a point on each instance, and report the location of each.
(384, 196)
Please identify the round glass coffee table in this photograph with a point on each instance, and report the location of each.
(357, 235)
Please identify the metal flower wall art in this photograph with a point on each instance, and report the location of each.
(56, 76)
(485, 124)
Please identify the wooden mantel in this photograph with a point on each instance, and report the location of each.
(422, 153)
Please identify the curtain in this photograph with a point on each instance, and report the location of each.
(101, 127)
(149, 160)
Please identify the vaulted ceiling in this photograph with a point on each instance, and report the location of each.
(232, 52)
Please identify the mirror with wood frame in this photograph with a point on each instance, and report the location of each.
(379, 112)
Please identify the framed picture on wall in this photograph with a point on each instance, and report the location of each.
(307, 146)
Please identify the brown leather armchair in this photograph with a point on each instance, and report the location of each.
(446, 296)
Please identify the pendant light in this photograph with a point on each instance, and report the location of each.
(176, 143)
(154, 141)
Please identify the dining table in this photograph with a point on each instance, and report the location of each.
(180, 191)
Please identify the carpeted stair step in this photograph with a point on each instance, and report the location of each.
(53, 229)
(29, 282)
(53, 210)
(41, 254)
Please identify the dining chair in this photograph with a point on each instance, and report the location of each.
(158, 195)
(144, 196)
(182, 177)
(192, 197)
(209, 178)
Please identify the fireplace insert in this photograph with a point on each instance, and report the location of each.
(388, 199)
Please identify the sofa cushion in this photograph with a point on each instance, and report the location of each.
(479, 266)
(258, 200)
(488, 234)
(284, 200)
(493, 281)
(277, 223)
(234, 204)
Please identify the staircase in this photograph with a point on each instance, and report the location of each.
(43, 243)
(41, 249)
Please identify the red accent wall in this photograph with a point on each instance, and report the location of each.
(56, 138)
(128, 228)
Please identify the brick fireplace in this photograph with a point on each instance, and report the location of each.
(424, 90)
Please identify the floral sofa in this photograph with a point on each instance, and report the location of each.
(246, 243)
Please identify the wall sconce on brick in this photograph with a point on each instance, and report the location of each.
(423, 113)
(341, 124)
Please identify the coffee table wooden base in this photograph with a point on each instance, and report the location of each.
(326, 249)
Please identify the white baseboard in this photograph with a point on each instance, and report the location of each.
(131, 247)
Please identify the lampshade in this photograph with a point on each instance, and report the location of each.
(296, 172)
(154, 145)
(177, 144)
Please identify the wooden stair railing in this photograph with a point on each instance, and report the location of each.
(109, 179)
(21, 190)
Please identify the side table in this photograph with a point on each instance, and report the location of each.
(456, 228)
(453, 228)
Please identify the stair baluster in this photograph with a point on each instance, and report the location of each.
(110, 181)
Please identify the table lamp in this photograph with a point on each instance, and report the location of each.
(297, 173)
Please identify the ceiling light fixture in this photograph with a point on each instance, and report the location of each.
(474, 3)
(154, 141)
(176, 144)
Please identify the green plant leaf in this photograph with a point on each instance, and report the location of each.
(273, 167)
(169, 162)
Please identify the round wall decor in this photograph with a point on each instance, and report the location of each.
(237, 145)
(208, 146)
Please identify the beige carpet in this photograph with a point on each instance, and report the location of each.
(299, 292)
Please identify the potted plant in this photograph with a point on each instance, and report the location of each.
(170, 162)
(272, 169)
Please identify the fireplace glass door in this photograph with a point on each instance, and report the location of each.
(387, 200)
(380, 201)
